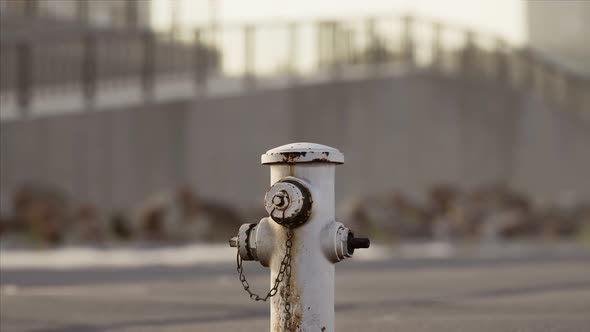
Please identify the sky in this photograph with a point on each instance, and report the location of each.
(503, 17)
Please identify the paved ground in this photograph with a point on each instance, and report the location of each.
(456, 294)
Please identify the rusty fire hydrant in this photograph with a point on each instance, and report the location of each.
(300, 240)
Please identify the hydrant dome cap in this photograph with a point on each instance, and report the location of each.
(302, 153)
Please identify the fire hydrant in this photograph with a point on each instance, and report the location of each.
(300, 240)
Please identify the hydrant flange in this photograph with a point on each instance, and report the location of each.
(255, 242)
(288, 202)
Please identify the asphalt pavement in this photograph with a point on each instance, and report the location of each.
(544, 293)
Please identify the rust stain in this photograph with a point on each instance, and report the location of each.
(296, 307)
(299, 156)
(292, 157)
(321, 160)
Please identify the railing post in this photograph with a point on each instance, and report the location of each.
(536, 76)
(577, 95)
(583, 101)
(249, 57)
(320, 44)
(437, 49)
(347, 47)
(526, 70)
(148, 65)
(131, 14)
(335, 61)
(24, 72)
(408, 41)
(560, 86)
(372, 56)
(375, 50)
(501, 61)
(83, 11)
(31, 8)
(469, 55)
(89, 69)
(201, 63)
(547, 80)
(292, 52)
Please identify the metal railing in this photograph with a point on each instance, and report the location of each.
(122, 13)
(92, 61)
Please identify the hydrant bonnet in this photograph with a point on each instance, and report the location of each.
(302, 153)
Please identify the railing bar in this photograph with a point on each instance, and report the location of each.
(24, 78)
(89, 69)
(148, 66)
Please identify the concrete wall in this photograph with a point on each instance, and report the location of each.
(111, 158)
(396, 133)
(411, 133)
(552, 152)
(560, 29)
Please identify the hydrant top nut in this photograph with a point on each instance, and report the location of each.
(281, 200)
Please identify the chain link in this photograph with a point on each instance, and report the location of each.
(284, 271)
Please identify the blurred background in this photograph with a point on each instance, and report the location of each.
(131, 133)
(142, 122)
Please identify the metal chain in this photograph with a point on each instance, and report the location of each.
(284, 271)
(287, 288)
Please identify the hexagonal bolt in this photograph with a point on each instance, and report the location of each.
(280, 200)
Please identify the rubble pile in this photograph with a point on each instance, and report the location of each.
(43, 217)
(448, 213)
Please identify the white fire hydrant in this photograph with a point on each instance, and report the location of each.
(300, 240)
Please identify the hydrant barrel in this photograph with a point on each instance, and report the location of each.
(312, 281)
(301, 240)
